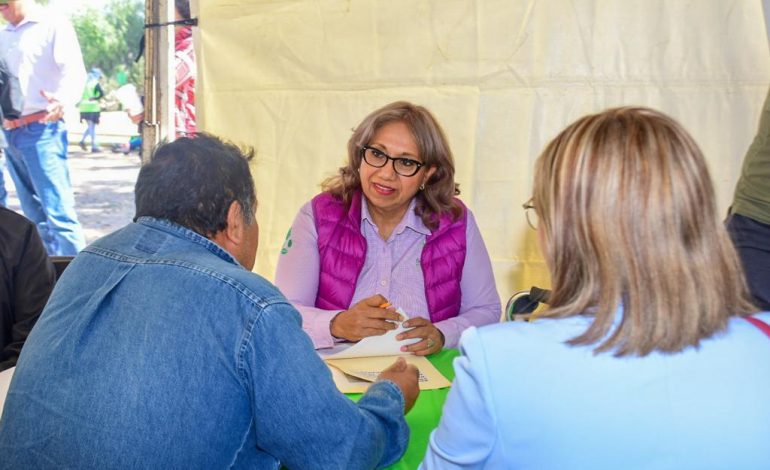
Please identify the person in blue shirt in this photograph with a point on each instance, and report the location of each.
(159, 348)
(644, 358)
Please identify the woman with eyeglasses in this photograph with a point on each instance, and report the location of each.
(388, 230)
(646, 357)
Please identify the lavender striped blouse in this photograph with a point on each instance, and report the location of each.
(392, 268)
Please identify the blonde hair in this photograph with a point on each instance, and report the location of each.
(630, 221)
(438, 196)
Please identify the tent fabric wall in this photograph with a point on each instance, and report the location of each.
(292, 78)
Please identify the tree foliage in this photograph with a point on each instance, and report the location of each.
(109, 37)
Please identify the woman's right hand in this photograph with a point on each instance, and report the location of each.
(365, 318)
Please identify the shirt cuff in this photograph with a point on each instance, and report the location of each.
(319, 329)
(451, 335)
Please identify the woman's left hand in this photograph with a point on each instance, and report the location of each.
(432, 338)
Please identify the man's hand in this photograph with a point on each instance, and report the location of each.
(366, 318)
(136, 118)
(432, 337)
(405, 376)
(54, 109)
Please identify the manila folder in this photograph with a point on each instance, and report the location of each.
(355, 375)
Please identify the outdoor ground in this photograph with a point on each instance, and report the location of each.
(103, 182)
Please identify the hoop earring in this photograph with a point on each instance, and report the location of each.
(422, 187)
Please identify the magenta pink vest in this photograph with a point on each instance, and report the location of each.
(342, 250)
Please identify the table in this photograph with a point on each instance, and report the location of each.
(424, 416)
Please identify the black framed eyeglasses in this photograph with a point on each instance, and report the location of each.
(378, 159)
(530, 214)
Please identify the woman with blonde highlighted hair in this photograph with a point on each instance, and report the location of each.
(647, 356)
(387, 231)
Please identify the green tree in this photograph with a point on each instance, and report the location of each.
(109, 37)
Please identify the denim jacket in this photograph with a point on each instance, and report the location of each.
(158, 350)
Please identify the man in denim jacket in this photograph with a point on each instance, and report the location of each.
(159, 348)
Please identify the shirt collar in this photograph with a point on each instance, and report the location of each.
(410, 219)
(35, 14)
(185, 233)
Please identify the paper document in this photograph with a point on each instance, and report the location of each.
(356, 366)
(357, 374)
(383, 345)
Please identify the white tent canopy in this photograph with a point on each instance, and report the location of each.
(291, 78)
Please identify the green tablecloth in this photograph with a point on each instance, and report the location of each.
(424, 416)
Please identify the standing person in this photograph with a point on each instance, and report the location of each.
(749, 218)
(159, 348)
(90, 109)
(11, 104)
(26, 279)
(42, 50)
(389, 225)
(644, 358)
(184, 63)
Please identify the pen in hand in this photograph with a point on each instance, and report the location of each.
(387, 305)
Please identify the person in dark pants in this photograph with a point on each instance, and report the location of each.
(90, 109)
(11, 104)
(749, 219)
(26, 280)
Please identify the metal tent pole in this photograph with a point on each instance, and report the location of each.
(158, 81)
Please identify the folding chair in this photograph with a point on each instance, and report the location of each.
(60, 263)
(521, 304)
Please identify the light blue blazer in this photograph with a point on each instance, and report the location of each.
(523, 399)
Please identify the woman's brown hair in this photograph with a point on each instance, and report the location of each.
(630, 221)
(438, 196)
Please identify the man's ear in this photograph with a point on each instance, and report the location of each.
(235, 222)
(231, 237)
